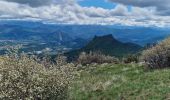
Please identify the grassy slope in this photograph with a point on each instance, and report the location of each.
(121, 82)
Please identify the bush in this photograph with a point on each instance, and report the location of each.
(130, 59)
(157, 56)
(95, 57)
(61, 60)
(23, 78)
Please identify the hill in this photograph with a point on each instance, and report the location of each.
(121, 82)
(107, 45)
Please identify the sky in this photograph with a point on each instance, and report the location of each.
(97, 3)
(98, 12)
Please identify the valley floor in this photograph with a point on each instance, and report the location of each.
(121, 82)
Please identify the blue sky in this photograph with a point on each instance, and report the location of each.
(100, 3)
(98, 12)
(97, 3)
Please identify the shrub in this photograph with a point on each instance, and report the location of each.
(130, 59)
(95, 57)
(61, 60)
(23, 78)
(157, 56)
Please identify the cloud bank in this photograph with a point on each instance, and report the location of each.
(141, 13)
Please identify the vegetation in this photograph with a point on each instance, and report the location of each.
(27, 78)
(95, 57)
(157, 56)
(121, 82)
(131, 58)
(100, 77)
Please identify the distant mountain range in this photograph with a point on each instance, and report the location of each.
(35, 36)
(107, 45)
(38, 31)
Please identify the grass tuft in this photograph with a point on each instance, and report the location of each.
(114, 82)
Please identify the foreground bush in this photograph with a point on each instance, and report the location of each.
(95, 57)
(130, 59)
(23, 78)
(157, 56)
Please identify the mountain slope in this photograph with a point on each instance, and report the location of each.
(121, 82)
(107, 45)
(37, 33)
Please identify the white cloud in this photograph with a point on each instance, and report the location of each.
(162, 6)
(36, 3)
(69, 12)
